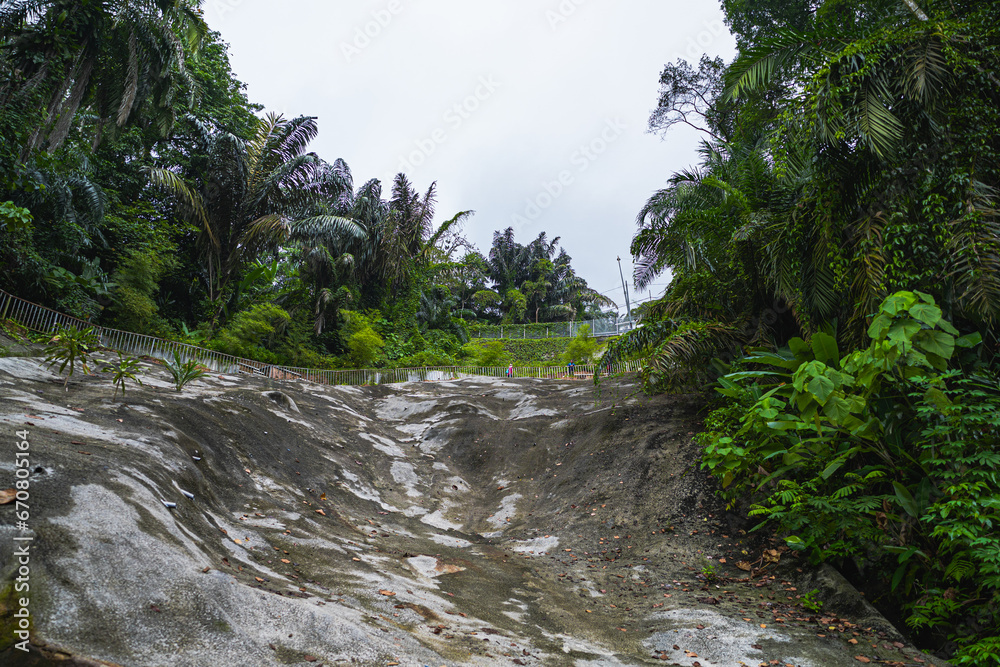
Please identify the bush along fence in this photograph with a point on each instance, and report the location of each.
(45, 320)
(598, 329)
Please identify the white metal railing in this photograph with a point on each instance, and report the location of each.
(598, 329)
(37, 318)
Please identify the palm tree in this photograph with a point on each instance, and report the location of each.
(248, 198)
(891, 103)
(112, 58)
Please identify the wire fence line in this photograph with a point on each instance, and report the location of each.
(44, 320)
(598, 329)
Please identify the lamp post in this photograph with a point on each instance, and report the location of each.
(628, 306)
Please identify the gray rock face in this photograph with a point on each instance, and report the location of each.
(491, 522)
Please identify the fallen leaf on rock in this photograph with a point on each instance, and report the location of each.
(386, 593)
(852, 641)
(7, 496)
(312, 658)
(84, 453)
(285, 561)
(321, 512)
(722, 560)
(259, 579)
(861, 658)
(356, 559)
(743, 565)
(322, 496)
(206, 570)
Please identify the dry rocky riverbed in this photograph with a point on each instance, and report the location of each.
(473, 522)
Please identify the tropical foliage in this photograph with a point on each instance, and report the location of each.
(141, 189)
(833, 260)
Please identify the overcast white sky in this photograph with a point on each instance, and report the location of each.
(496, 100)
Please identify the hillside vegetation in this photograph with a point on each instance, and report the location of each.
(141, 189)
(834, 261)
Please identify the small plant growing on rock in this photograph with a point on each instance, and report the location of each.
(183, 371)
(810, 602)
(69, 347)
(123, 370)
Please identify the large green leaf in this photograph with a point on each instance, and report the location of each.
(821, 387)
(838, 410)
(926, 313)
(903, 330)
(774, 360)
(969, 340)
(936, 342)
(824, 347)
(800, 349)
(879, 326)
(906, 500)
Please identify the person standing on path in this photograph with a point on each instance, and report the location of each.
(572, 368)
(510, 371)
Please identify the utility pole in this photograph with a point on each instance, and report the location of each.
(625, 287)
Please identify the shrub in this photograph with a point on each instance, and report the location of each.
(365, 347)
(136, 281)
(889, 456)
(485, 353)
(581, 348)
(251, 333)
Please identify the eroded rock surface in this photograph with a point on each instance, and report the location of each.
(479, 522)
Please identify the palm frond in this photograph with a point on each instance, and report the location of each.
(188, 197)
(757, 67)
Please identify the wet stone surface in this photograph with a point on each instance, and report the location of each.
(475, 522)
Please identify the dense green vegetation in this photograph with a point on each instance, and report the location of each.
(141, 189)
(833, 256)
(834, 266)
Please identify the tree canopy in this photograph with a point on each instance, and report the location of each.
(831, 255)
